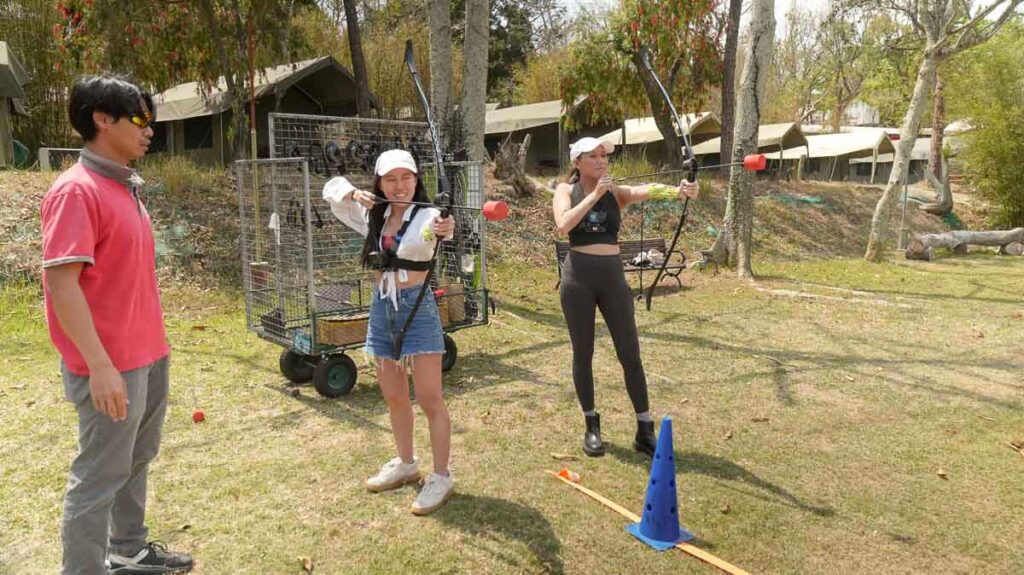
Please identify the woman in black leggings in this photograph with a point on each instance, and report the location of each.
(588, 209)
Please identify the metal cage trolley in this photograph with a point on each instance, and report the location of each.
(305, 288)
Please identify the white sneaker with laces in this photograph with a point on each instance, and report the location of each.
(434, 494)
(394, 474)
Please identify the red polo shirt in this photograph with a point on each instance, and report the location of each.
(91, 218)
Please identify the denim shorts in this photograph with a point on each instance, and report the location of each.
(424, 335)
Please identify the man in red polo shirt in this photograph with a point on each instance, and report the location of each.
(104, 316)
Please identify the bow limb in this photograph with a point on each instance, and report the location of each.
(689, 165)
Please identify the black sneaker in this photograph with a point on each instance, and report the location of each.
(154, 558)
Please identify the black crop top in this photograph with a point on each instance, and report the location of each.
(600, 225)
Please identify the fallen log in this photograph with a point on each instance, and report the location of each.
(1012, 249)
(920, 247)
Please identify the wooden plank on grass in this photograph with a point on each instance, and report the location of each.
(684, 547)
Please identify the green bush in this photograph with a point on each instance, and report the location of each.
(988, 88)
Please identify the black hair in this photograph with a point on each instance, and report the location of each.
(376, 224)
(115, 95)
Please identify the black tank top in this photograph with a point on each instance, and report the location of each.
(600, 225)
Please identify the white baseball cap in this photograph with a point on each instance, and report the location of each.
(393, 159)
(584, 145)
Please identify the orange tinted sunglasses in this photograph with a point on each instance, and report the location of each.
(142, 121)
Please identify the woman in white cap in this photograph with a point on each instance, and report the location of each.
(588, 208)
(398, 248)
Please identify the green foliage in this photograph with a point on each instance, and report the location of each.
(685, 43)
(893, 69)
(518, 29)
(631, 162)
(534, 81)
(511, 42)
(383, 34)
(165, 43)
(177, 175)
(28, 28)
(986, 86)
(161, 44)
(799, 74)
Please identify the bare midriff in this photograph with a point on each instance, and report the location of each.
(598, 249)
(415, 278)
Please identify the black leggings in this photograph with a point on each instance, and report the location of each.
(590, 282)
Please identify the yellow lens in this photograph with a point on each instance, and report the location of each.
(140, 121)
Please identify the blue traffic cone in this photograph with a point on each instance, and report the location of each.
(659, 526)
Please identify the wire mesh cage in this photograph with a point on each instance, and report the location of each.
(305, 287)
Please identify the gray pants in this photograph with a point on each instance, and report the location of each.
(106, 496)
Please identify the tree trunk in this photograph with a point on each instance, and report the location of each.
(901, 163)
(938, 124)
(236, 94)
(440, 64)
(474, 77)
(836, 117)
(662, 117)
(729, 79)
(920, 248)
(245, 38)
(943, 195)
(508, 167)
(748, 116)
(364, 101)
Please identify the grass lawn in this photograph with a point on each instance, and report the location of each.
(834, 417)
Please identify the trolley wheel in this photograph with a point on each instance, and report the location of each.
(296, 367)
(335, 376)
(451, 353)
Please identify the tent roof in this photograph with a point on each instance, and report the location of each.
(856, 144)
(787, 135)
(12, 74)
(958, 127)
(514, 118)
(922, 150)
(645, 131)
(187, 100)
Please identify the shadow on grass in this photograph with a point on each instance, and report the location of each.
(356, 408)
(472, 373)
(492, 522)
(826, 361)
(974, 295)
(723, 470)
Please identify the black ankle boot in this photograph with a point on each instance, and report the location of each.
(645, 441)
(592, 445)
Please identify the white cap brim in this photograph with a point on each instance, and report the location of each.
(394, 159)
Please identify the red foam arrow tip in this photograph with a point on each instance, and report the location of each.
(495, 211)
(755, 162)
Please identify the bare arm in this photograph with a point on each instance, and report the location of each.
(106, 386)
(568, 216)
(631, 194)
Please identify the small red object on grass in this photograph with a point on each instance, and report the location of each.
(570, 475)
(198, 416)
